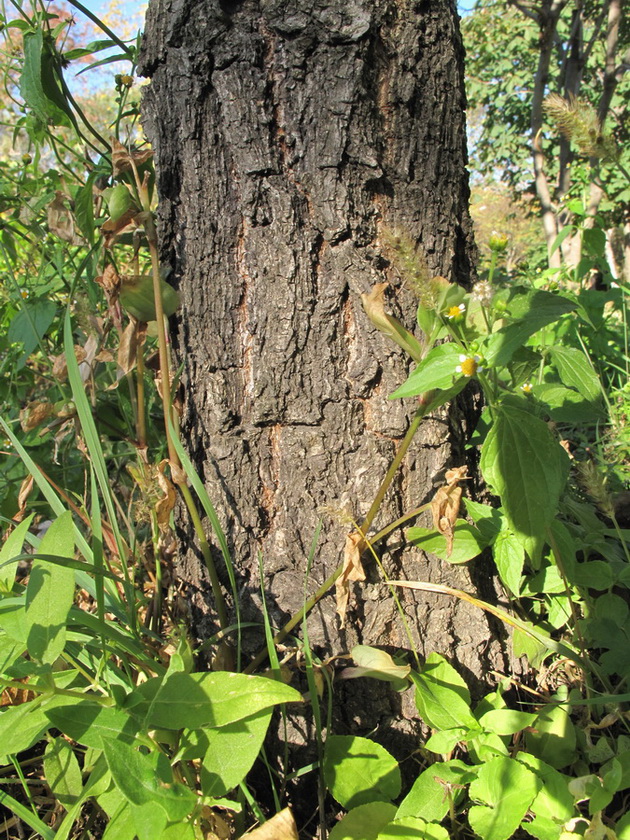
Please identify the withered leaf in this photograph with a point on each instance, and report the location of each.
(122, 157)
(280, 827)
(166, 503)
(445, 505)
(35, 413)
(352, 570)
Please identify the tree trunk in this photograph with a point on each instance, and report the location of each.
(289, 137)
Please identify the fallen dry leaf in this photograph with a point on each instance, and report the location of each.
(34, 414)
(122, 157)
(280, 827)
(445, 505)
(166, 503)
(352, 570)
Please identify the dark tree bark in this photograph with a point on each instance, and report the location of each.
(289, 136)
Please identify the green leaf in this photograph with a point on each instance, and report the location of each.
(509, 557)
(436, 370)
(468, 542)
(429, 796)
(507, 789)
(90, 723)
(12, 548)
(84, 208)
(147, 779)
(594, 241)
(50, 593)
(565, 405)
(358, 771)
(528, 469)
(149, 821)
(442, 697)
(530, 310)
(552, 737)
(593, 574)
(62, 772)
(553, 805)
(30, 325)
(364, 822)
(506, 721)
(412, 828)
(21, 727)
(209, 699)
(576, 371)
(38, 85)
(444, 741)
(231, 753)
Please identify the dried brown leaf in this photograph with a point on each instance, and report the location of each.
(445, 505)
(122, 157)
(60, 368)
(128, 348)
(34, 414)
(60, 220)
(166, 502)
(25, 491)
(280, 827)
(352, 570)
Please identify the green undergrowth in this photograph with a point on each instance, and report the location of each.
(109, 727)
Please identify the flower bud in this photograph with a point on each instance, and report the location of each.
(498, 242)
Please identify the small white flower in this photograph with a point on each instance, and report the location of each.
(469, 365)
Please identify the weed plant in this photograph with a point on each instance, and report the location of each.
(107, 727)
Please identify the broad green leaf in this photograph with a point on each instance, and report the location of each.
(530, 310)
(507, 789)
(565, 405)
(149, 821)
(12, 548)
(38, 86)
(489, 520)
(468, 542)
(412, 828)
(21, 727)
(486, 747)
(210, 700)
(62, 772)
(84, 208)
(231, 752)
(90, 723)
(593, 574)
(147, 779)
(525, 645)
(444, 741)
(436, 370)
(364, 822)
(552, 737)
(10, 650)
(442, 697)
(527, 467)
(378, 664)
(30, 325)
(553, 805)
(509, 557)
(576, 371)
(506, 721)
(357, 771)
(121, 825)
(50, 593)
(429, 796)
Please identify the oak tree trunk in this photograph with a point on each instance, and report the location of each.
(289, 136)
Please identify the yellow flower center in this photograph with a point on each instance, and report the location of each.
(454, 312)
(469, 367)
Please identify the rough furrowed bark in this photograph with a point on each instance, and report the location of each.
(288, 138)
